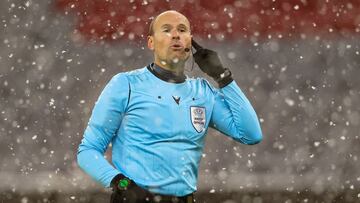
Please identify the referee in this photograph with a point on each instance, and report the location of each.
(156, 119)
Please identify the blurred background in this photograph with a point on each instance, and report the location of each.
(296, 60)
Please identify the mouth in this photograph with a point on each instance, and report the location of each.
(177, 47)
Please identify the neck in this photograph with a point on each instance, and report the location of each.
(165, 74)
(176, 68)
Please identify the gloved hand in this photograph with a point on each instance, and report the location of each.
(125, 190)
(120, 182)
(209, 62)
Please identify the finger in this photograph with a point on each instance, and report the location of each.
(195, 45)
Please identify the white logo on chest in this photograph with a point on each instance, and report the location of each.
(198, 118)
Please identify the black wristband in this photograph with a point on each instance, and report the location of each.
(225, 78)
(120, 182)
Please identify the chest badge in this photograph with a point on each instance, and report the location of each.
(198, 118)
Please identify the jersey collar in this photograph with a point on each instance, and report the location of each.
(165, 75)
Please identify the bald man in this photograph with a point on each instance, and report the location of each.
(156, 119)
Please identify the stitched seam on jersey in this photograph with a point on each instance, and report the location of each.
(213, 93)
(239, 132)
(129, 94)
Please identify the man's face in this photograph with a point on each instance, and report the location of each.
(171, 36)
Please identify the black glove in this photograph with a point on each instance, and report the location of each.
(120, 182)
(125, 190)
(209, 62)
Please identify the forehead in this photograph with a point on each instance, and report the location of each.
(171, 18)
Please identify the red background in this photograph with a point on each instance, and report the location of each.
(226, 19)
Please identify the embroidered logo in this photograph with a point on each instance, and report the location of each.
(176, 99)
(198, 118)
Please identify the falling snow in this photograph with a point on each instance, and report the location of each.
(304, 86)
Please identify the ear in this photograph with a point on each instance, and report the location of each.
(150, 42)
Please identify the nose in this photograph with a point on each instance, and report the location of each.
(175, 34)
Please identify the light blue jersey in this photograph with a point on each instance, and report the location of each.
(157, 129)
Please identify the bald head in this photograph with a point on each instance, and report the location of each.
(166, 14)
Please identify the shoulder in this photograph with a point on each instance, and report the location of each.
(136, 76)
(129, 76)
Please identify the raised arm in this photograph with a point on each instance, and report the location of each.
(102, 127)
(232, 113)
(234, 116)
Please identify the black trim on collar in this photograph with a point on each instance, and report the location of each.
(165, 75)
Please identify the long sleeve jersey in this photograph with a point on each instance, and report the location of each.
(157, 129)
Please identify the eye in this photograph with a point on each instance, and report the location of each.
(166, 30)
(182, 29)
